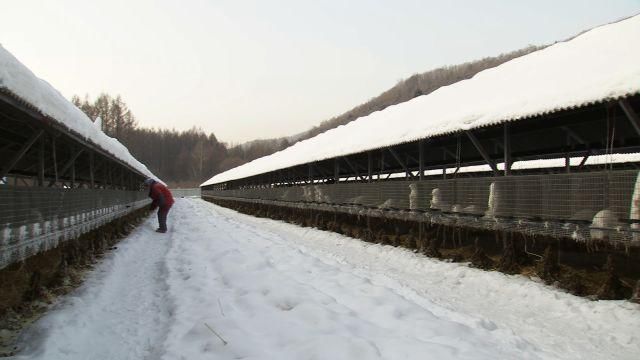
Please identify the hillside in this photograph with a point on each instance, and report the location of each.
(405, 90)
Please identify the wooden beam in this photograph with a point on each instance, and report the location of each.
(633, 117)
(482, 151)
(25, 147)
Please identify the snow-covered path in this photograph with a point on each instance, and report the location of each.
(276, 291)
(120, 312)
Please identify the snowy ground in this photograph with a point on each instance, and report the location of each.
(276, 291)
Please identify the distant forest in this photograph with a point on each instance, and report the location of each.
(187, 158)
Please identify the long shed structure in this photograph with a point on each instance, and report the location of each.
(546, 143)
(60, 175)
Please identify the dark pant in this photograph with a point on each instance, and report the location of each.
(162, 217)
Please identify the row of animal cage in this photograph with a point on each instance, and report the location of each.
(36, 219)
(189, 192)
(604, 199)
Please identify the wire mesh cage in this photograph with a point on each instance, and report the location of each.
(602, 205)
(35, 219)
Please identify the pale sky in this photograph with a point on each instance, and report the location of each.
(258, 69)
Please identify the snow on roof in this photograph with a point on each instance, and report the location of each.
(20, 82)
(598, 65)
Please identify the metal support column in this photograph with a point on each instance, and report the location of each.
(444, 166)
(41, 163)
(369, 166)
(55, 160)
(73, 174)
(421, 159)
(507, 150)
(91, 171)
(567, 158)
(381, 164)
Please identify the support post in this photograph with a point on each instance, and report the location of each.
(91, 171)
(73, 174)
(444, 166)
(420, 159)
(567, 158)
(107, 175)
(55, 160)
(336, 170)
(381, 164)
(369, 166)
(41, 163)
(507, 150)
(103, 169)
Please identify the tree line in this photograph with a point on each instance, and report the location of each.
(187, 158)
(180, 158)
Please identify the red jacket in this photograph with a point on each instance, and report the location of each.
(161, 195)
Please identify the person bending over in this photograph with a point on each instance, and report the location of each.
(162, 199)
